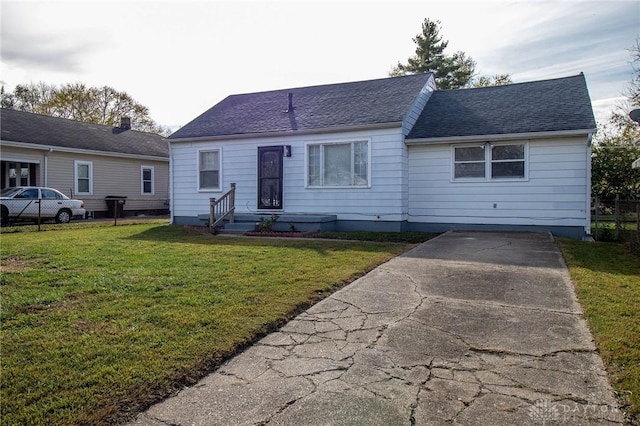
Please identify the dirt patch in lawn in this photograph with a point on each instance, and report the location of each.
(13, 264)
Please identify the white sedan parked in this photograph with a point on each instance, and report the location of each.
(32, 202)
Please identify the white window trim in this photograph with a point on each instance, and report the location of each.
(77, 163)
(488, 161)
(336, 142)
(153, 180)
(219, 188)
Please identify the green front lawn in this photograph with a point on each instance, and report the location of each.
(98, 322)
(607, 279)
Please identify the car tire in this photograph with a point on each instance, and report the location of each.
(63, 216)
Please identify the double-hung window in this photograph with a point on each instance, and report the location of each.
(83, 177)
(209, 170)
(19, 174)
(469, 162)
(146, 180)
(341, 164)
(489, 161)
(507, 161)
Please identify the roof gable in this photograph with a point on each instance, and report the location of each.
(25, 127)
(363, 103)
(561, 104)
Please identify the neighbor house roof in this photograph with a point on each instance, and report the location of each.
(356, 104)
(560, 104)
(36, 129)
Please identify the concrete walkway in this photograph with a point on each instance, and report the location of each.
(472, 328)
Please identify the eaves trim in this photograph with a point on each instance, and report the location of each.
(497, 137)
(54, 148)
(287, 133)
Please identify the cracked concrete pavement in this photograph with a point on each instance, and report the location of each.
(473, 328)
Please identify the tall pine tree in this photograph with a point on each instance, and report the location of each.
(450, 71)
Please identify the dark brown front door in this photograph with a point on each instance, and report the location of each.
(270, 177)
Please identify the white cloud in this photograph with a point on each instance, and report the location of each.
(31, 40)
(180, 58)
(603, 108)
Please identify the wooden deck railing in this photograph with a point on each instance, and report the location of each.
(222, 208)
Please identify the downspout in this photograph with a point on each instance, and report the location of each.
(171, 197)
(588, 189)
(46, 167)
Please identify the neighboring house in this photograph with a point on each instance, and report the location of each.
(396, 154)
(86, 161)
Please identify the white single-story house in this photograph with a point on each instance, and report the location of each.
(87, 161)
(395, 154)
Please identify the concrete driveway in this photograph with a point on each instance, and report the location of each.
(474, 328)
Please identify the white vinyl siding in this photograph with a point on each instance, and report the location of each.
(209, 170)
(412, 183)
(83, 177)
(552, 194)
(384, 199)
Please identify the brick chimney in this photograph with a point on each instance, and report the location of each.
(125, 123)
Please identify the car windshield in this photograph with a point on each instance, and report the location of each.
(10, 192)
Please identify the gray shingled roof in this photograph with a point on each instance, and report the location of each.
(19, 126)
(360, 103)
(539, 106)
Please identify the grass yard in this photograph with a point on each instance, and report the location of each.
(607, 279)
(98, 322)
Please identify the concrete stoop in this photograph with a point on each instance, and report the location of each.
(246, 222)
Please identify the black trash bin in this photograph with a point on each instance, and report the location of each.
(115, 203)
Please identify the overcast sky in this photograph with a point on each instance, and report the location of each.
(181, 58)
